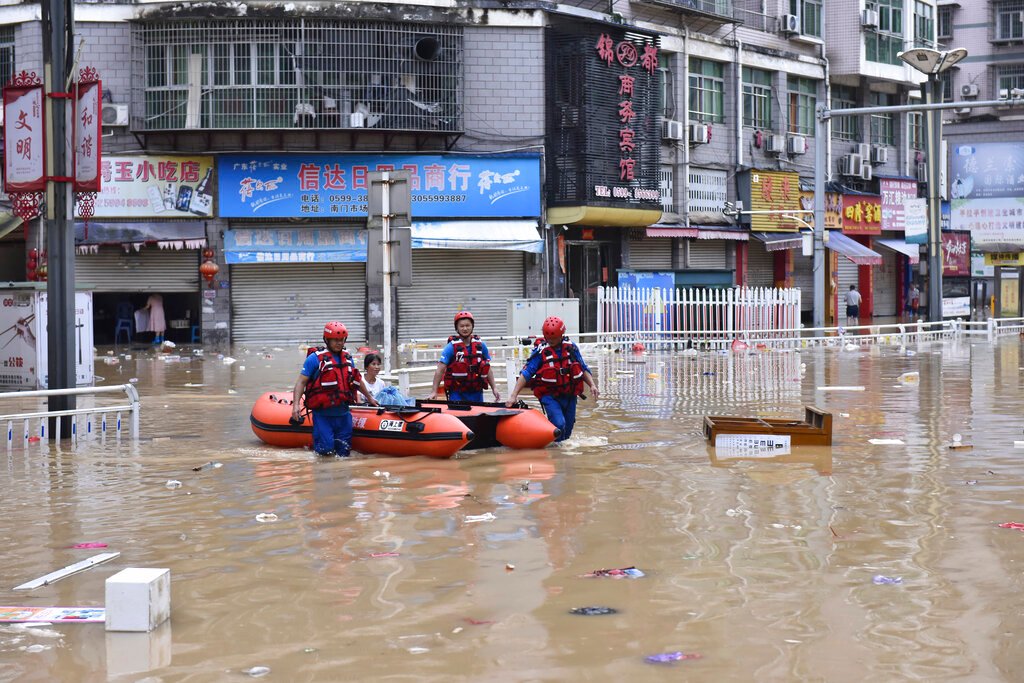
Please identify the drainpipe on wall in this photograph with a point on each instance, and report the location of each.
(739, 103)
(684, 198)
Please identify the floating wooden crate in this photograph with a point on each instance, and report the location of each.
(815, 430)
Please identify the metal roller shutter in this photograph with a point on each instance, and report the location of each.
(760, 265)
(290, 302)
(883, 280)
(653, 253)
(707, 255)
(846, 275)
(803, 279)
(446, 281)
(150, 269)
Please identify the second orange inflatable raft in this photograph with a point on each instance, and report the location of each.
(403, 431)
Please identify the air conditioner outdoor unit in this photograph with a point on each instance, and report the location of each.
(969, 90)
(797, 144)
(700, 133)
(850, 165)
(866, 172)
(879, 155)
(776, 144)
(869, 18)
(864, 150)
(114, 114)
(790, 23)
(672, 130)
(922, 171)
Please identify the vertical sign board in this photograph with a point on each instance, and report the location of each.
(24, 136)
(88, 136)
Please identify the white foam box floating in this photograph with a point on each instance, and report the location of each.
(138, 599)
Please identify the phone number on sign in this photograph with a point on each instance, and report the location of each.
(439, 197)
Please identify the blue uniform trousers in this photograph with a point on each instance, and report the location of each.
(561, 412)
(332, 433)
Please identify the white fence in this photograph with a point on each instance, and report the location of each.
(699, 315)
(86, 422)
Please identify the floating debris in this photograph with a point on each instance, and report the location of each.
(266, 517)
(486, 517)
(173, 484)
(880, 580)
(625, 572)
(593, 611)
(669, 657)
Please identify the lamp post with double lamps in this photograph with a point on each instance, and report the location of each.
(932, 63)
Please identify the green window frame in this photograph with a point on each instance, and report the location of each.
(757, 98)
(810, 13)
(924, 24)
(802, 94)
(845, 127)
(883, 125)
(707, 91)
(886, 42)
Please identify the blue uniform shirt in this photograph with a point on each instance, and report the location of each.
(533, 365)
(309, 369)
(448, 353)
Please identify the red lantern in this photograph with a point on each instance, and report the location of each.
(209, 270)
(207, 254)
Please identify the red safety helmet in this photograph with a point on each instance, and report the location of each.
(464, 315)
(553, 327)
(335, 330)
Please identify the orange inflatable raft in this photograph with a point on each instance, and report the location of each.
(403, 431)
(493, 424)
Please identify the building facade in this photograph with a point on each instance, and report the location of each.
(552, 148)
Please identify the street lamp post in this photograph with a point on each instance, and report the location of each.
(932, 63)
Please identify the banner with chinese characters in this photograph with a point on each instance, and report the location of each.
(155, 187)
(24, 135)
(995, 224)
(334, 185)
(862, 214)
(956, 254)
(1006, 258)
(294, 245)
(915, 220)
(894, 191)
(775, 202)
(987, 193)
(88, 136)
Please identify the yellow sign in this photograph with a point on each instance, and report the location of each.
(156, 187)
(1004, 259)
(777, 193)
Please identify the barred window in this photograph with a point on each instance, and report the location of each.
(845, 127)
(707, 90)
(1009, 77)
(299, 73)
(803, 99)
(945, 26)
(1009, 20)
(757, 98)
(883, 126)
(6, 53)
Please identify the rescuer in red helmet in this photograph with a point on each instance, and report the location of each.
(465, 365)
(327, 384)
(558, 374)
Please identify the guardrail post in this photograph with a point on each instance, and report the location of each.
(511, 376)
(403, 381)
(991, 329)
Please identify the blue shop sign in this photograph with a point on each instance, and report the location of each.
(335, 185)
(294, 245)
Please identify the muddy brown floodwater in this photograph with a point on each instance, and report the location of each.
(373, 569)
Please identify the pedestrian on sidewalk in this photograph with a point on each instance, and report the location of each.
(853, 300)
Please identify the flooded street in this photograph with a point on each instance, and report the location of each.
(373, 569)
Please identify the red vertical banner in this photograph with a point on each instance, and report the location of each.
(956, 254)
(24, 135)
(88, 133)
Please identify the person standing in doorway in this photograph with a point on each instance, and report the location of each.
(915, 300)
(157, 324)
(465, 365)
(853, 305)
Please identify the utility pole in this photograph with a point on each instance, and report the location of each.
(58, 33)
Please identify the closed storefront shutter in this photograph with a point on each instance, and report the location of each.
(846, 276)
(883, 281)
(290, 302)
(446, 281)
(803, 279)
(150, 269)
(760, 265)
(652, 253)
(707, 255)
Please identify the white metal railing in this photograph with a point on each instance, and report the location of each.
(699, 315)
(422, 377)
(81, 418)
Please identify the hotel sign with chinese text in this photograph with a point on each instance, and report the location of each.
(777, 192)
(862, 214)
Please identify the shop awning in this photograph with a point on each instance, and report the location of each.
(911, 251)
(671, 231)
(779, 241)
(512, 235)
(713, 233)
(166, 234)
(855, 251)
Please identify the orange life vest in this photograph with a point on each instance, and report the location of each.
(333, 385)
(469, 368)
(558, 376)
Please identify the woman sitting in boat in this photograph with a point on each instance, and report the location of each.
(372, 364)
(465, 365)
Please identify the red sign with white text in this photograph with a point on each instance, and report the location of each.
(956, 254)
(25, 138)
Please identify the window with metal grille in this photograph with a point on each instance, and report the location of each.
(945, 22)
(299, 73)
(803, 98)
(707, 90)
(1009, 77)
(845, 127)
(886, 42)
(6, 54)
(757, 98)
(667, 185)
(924, 24)
(1009, 20)
(883, 126)
(708, 190)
